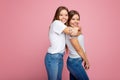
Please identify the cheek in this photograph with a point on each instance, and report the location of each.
(71, 22)
(67, 17)
(59, 17)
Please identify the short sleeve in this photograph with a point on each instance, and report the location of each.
(58, 26)
(70, 37)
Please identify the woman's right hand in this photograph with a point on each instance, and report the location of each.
(86, 65)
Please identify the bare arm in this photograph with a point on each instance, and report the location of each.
(72, 31)
(78, 48)
(79, 31)
(67, 30)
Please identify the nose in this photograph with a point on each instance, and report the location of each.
(65, 16)
(76, 21)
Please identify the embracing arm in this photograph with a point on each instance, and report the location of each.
(67, 30)
(72, 31)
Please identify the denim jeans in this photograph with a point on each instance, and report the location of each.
(54, 65)
(77, 71)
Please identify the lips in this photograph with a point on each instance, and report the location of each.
(75, 24)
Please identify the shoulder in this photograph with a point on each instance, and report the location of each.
(58, 22)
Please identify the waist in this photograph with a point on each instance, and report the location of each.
(54, 50)
(56, 53)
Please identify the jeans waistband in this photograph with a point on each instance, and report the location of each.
(56, 53)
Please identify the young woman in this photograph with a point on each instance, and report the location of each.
(54, 56)
(77, 53)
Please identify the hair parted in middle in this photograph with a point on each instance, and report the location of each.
(57, 13)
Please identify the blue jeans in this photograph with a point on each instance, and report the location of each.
(54, 65)
(77, 71)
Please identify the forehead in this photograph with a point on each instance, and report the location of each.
(63, 11)
(75, 16)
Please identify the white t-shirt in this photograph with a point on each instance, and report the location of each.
(72, 51)
(57, 37)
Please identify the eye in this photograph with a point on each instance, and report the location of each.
(73, 19)
(60, 15)
(66, 15)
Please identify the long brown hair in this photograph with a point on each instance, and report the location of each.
(57, 13)
(71, 13)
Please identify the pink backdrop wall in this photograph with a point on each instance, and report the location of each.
(24, 37)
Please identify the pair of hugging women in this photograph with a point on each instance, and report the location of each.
(65, 31)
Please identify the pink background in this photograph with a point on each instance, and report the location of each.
(24, 40)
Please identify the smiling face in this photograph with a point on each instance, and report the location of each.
(74, 22)
(63, 16)
(74, 18)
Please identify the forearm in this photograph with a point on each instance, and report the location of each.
(78, 48)
(71, 31)
(82, 54)
(86, 58)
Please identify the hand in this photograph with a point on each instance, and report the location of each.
(74, 31)
(86, 65)
(79, 30)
